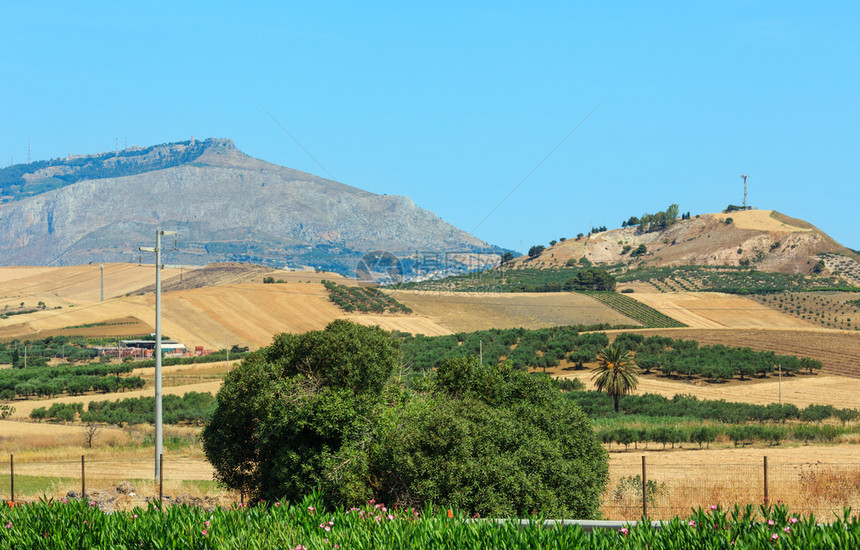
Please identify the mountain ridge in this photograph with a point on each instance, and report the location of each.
(226, 205)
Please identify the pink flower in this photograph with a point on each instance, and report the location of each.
(204, 532)
(692, 523)
(624, 531)
(714, 506)
(277, 504)
(134, 516)
(774, 536)
(311, 509)
(390, 517)
(770, 522)
(787, 529)
(9, 525)
(792, 520)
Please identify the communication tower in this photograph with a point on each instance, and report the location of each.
(744, 176)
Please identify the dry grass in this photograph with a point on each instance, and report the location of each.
(819, 479)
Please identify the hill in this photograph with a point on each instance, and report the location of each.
(764, 240)
(226, 205)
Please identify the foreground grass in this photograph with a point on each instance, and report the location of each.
(34, 485)
(60, 525)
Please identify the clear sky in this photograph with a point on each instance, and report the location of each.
(453, 104)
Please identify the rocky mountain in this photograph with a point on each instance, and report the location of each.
(226, 205)
(765, 240)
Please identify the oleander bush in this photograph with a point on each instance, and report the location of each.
(310, 525)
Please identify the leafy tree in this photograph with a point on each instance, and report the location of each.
(507, 257)
(293, 414)
(640, 250)
(536, 251)
(478, 429)
(614, 373)
(818, 267)
(323, 411)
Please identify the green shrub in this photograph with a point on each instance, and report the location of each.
(322, 411)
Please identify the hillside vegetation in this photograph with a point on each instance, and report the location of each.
(764, 240)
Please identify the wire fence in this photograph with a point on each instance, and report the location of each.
(112, 481)
(822, 489)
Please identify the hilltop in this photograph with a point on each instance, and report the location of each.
(763, 240)
(226, 205)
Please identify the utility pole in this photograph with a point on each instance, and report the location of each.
(25, 357)
(227, 347)
(744, 176)
(481, 351)
(102, 272)
(158, 267)
(780, 383)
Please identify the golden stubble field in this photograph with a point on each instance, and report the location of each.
(717, 310)
(465, 312)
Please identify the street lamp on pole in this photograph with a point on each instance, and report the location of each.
(158, 420)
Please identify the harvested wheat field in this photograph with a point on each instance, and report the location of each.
(717, 310)
(75, 284)
(465, 312)
(248, 314)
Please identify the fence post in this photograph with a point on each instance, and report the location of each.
(12, 477)
(765, 479)
(644, 491)
(83, 479)
(160, 478)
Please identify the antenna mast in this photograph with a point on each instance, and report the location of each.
(744, 176)
(28, 150)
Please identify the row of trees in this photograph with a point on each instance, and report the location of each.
(715, 362)
(191, 408)
(521, 347)
(600, 405)
(654, 222)
(704, 435)
(77, 385)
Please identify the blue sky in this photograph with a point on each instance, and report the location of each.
(453, 105)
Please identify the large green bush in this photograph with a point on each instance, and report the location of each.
(323, 410)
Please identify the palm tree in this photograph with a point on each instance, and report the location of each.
(615, 373)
